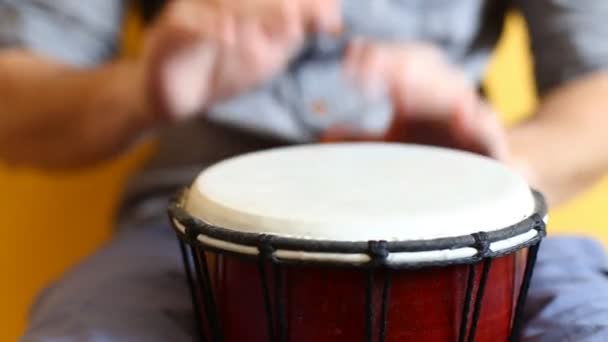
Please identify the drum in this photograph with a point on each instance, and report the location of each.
(352, 242)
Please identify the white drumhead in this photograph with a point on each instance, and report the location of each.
(360, 192)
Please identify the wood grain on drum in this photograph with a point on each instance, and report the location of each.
(329, 304)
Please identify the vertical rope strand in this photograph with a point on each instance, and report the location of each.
(280, 301)
(369, 306)
(266, 296)
(523, 293)
(386, 297)
(196, 300)
(487, 263)
(466, 309)
(210, 308)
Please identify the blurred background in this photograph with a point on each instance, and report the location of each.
(51, 221)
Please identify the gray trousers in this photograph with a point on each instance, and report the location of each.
(134, 289)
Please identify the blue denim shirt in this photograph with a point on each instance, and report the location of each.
(567, 41)
(132, 290)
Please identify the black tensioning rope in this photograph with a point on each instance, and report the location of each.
(487, 263)
(369, 306)
(525, 286)
(266, 251)
(378, 251)
(211, 312)
(386, 297)
(251, 239)
(196, 300)
(482, 243)
(466, 310)
(280, 299)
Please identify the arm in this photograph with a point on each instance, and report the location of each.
(54, 115)
(197, 54)
(563, 150)
(54, 112)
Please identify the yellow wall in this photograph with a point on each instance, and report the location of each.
(510, 85)
(49, 222)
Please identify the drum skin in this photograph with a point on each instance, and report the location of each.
(328, 304)
(301, 195)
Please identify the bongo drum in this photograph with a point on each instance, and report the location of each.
(366, 242)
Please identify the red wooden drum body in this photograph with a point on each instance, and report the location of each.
(327, 305)
(268, 286)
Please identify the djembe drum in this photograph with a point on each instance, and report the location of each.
(358, 242)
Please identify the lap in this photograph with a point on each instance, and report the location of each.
(134, 290)
(131, 290)
(568, 298)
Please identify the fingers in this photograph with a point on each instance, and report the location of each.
(320, 15)
(486, 134)
(186, 79)
(310, 15)
(293, 18)
(232, 24)
(438, 94)
(415, 75)
(434, 102)
(476, 128)
(367, 67)
(179, 62)
(283, 27)
(200, 52)
(282, 20)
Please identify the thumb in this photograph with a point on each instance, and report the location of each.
(477, 129)
(180, 56)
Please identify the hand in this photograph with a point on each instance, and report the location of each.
(204, 51)
(434, 102)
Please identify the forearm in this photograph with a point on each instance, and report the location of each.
(563, 150)
(55, 116)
